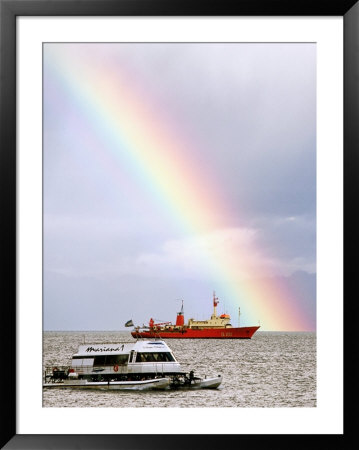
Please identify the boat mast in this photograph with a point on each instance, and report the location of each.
(239, 316)
(215, 303)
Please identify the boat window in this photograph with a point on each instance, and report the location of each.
(116, 359)
(131, 355)
(169, 356)
(140, 357)
(100, 360)
(87, 361)
(111, 360)
(150, 357)
(79, 361)
(154, 357)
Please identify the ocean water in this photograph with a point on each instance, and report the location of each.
(271, 370)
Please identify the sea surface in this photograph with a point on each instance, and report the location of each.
(271, 370)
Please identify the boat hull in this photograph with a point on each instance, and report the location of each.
(190, 333)
(157, 383)
(211, 383)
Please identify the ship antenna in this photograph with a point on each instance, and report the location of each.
(239, 316)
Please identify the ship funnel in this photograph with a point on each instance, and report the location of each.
(180, 317)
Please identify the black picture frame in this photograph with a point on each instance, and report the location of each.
(9, 10)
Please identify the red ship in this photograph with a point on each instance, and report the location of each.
(217, 327)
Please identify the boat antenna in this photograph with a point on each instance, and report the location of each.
(239, 316)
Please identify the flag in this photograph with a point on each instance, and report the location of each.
(129, 323)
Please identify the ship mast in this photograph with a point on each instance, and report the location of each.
(215, 303)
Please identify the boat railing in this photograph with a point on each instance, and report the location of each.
(50, 369)
(55, 372)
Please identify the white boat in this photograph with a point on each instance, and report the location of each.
(140, 365)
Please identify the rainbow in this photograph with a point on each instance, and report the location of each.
(135, 133)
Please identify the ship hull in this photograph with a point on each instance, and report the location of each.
(190, 333)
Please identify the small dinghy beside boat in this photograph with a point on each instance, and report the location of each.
(143, 365)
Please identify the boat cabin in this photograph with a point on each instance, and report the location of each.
(145, 358)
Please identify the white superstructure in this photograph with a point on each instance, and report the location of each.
(141, 357)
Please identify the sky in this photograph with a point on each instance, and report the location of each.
(173, 170)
